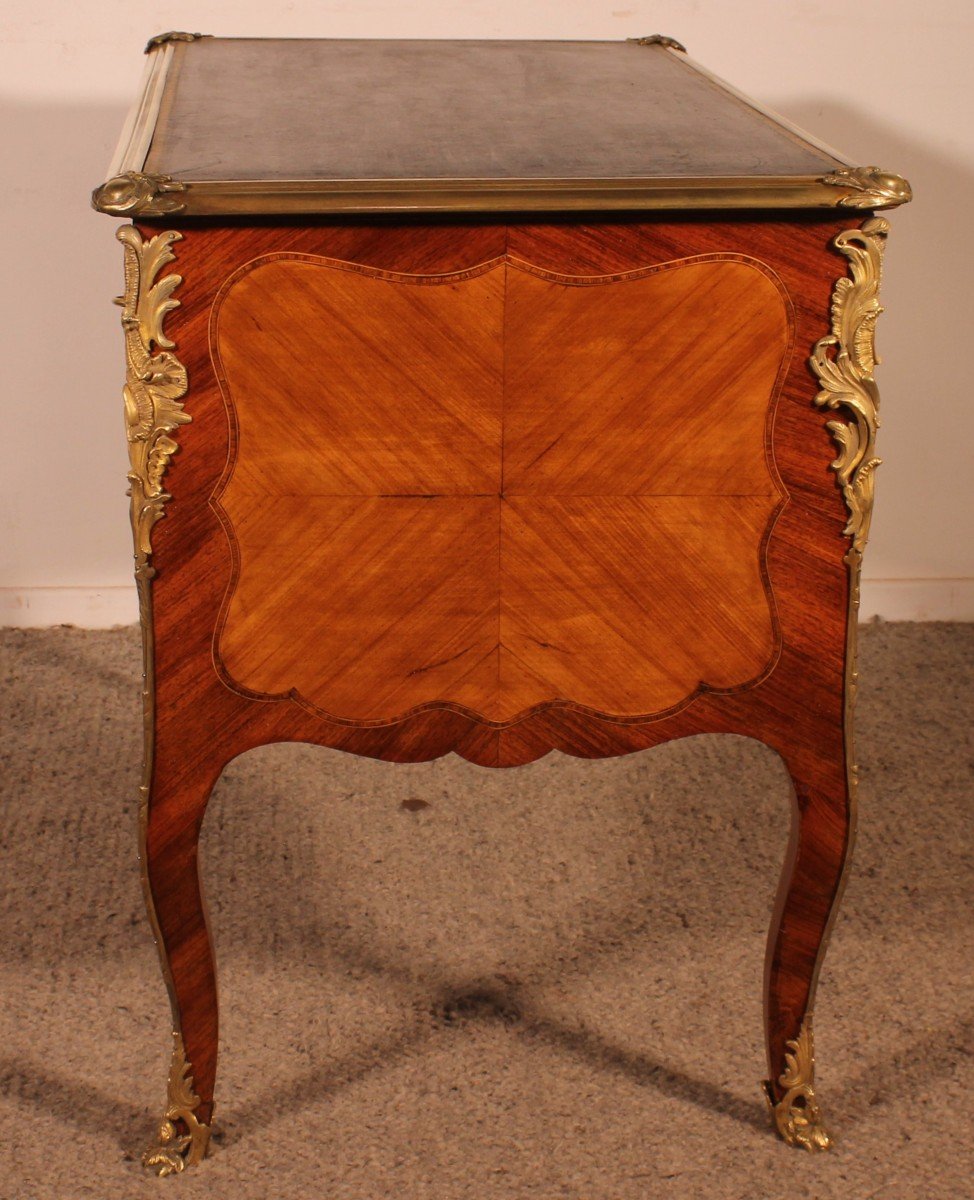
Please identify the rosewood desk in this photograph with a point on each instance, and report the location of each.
(517, 397)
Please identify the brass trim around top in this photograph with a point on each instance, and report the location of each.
(659, 39)
(135, 194)
(140, 124)
(797, 1115)
(173, 35)
(869, 187)
(131, 192)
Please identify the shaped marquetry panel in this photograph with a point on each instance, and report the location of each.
(656, 383)
(498, 489)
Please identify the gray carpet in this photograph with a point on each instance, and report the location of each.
(443, 982)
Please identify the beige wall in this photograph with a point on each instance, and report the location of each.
(887, 83)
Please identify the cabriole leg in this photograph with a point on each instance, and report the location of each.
(823, 828)
(820, 760)
(173, 816)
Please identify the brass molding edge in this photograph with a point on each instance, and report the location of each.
(843, 362)
(175, 1151)
(173, 35)
(659, 39)
(136, 136)
(239, 197)
(797, 1115)
(135, 194)
(869, 187)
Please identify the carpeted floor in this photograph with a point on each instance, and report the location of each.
(443, 982)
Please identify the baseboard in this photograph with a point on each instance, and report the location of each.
(91, 608)
(104, 608)
(918, 599)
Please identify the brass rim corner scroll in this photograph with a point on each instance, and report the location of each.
(172, 35)
(797, 1115)
(155, 384)
(659, 39)
(134, 193)
(174, 1151)
(869, 187)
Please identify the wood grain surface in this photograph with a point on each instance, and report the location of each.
(796, 707)
(498, 489)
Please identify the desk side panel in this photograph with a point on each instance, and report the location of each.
(804, 557)
(498, 490)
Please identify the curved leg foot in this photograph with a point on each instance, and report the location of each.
(811, 887)
(172, 816)
(797, 1115)
(175, 1150)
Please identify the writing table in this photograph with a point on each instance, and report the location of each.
(510, 397)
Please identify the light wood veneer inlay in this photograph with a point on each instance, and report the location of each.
(500, 488)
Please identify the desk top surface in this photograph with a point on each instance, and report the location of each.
(250, 125)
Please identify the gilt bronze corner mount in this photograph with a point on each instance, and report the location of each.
(659, 39)
(869, 187)
(844, 361)
(156, 380)
(172, 35)
(134, 193)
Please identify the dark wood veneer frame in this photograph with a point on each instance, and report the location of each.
(797, 709)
